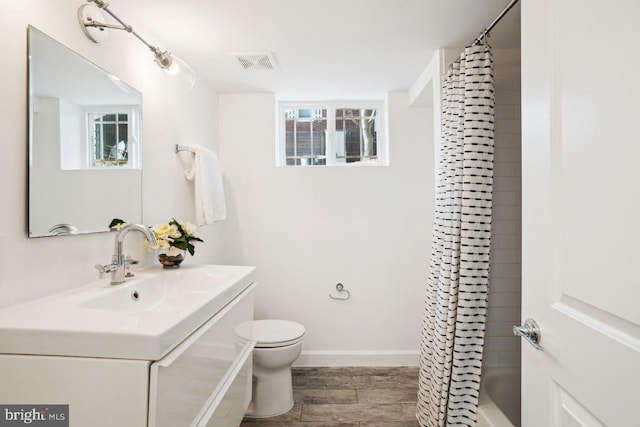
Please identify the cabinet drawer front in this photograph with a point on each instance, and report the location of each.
(231, 403)
(186, 379)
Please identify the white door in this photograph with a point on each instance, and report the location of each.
(581, 211)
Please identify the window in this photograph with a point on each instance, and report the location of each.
(331, 133)
(305, 136)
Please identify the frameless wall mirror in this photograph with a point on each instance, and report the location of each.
(85, 165)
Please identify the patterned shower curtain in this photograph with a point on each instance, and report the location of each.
(453, 325)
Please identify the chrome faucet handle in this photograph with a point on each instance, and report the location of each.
(108, 268)
(100, 269)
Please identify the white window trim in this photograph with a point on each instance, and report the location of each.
(331, 106)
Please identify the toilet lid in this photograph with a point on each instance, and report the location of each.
(270, 333)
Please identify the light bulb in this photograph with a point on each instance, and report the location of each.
(180, 75)
(173, 69)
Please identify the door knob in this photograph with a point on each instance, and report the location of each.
(530, 331)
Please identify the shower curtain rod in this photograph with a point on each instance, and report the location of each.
(484, 33)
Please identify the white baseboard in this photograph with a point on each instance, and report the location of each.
(358, 358)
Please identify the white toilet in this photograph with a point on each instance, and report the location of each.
(278, 345)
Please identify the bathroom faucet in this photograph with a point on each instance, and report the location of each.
(118, 261)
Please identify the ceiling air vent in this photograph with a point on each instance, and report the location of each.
(256, 60)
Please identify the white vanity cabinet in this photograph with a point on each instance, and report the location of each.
(203, 381)
(208, 375)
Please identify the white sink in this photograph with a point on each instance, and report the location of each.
(142, 318)
(169, 291)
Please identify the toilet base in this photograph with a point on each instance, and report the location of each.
(278, 343)
(272, 393)
(251, 412)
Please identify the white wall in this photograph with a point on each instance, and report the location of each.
(33, 267)
(308, 228)
(502, 348)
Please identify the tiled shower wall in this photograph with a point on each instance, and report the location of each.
(502, 348)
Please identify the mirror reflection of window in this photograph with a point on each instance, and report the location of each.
(109, 139)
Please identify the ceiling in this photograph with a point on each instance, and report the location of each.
(330, 49)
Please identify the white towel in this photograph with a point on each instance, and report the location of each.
(203, 168)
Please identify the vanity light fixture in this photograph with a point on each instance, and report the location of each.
(96, 29)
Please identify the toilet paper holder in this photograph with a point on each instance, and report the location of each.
(341, 290)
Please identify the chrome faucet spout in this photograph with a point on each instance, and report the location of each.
(118, 261)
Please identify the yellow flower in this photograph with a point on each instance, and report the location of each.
(169, 233)
(161, 230)
(189, 228)
(174, 232)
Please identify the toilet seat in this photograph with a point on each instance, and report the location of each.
(271, 333)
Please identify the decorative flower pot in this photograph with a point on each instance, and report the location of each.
(171, 258)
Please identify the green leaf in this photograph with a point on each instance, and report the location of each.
(184, 241)
(180, 244)
(177, 224)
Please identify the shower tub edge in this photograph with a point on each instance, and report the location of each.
(499, 396)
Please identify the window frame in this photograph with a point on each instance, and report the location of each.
(382, 149)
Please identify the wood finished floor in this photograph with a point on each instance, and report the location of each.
(349, 397)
